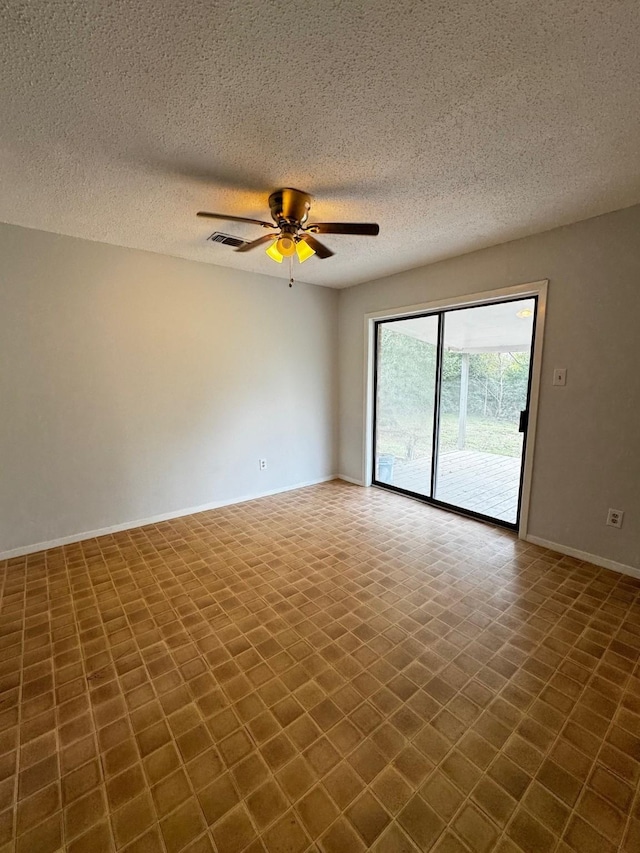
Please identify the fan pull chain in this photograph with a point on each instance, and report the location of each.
(290, 270)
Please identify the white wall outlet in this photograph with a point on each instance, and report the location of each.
(614, 517)
(263, 464)
(560, 376)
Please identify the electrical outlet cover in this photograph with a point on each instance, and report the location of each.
(615, 517)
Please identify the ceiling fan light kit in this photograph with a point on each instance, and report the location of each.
(292, 236)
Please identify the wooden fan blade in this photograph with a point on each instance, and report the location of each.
(235, 218)
(319, 248)
(369, 229)
(246, 247)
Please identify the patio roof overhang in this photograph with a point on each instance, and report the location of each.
(494, 328)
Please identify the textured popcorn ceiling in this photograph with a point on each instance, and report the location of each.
(455, 125)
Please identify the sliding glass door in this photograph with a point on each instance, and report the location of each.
(405, 390)
(451, 406)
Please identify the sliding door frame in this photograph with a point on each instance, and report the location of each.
(537, 290)
(437, 396)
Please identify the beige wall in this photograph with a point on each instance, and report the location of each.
(133, 385)
(587, 453)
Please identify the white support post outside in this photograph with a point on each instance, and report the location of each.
(464, 400)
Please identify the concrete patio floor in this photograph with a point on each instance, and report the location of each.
(481, 482)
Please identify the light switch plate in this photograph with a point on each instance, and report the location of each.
(560, 376)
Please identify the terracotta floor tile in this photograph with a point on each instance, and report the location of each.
(317, 811)
(250, 773)
(38, 775)
(367, 761)
(322, 756)
(333, 669)
(34, 751)
(109, 736)
(326, 714)
(263, 726)
(218, 798)
(450, 843)
(421, 823)
(443, 797)
(204, 844)
(476, 830)
(612, 788)
(530, 834)
(297, 777)
(413, 765)
(345, 736)
(84, 812)
(126, 786)
(132, 819)
(561, 783)
(394, 840)
(193, 742)
(80, 781)
(477, 749)
(494, 801)
(461, 772)
(266, 804)
(287, 710)
(368, 817)
(182, 826)
(392, 790)
(580, 836)
(45, 838)
(161, 763)
(510, 776)
(388, 740)
(286, 836)
(341, 837)
(36, 808)
(431, 743)
(235, 747)
(97, 838)
(549, 810)
(602, 816)
(632, 837)
(119, 757)
(170, 792)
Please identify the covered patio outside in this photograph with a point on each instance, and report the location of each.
(485, 483)
(485, 375)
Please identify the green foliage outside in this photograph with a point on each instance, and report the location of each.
(406, 374)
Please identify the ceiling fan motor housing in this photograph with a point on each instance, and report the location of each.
(289, 205)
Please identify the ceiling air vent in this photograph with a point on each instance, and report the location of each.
(226, 239)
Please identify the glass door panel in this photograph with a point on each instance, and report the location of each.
(406, 352)
(484, 389)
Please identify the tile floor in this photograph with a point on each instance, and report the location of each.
(332, 669)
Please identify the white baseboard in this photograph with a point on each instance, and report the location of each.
(167, 516)
(154, 519)
(584, 555)
(349, 479)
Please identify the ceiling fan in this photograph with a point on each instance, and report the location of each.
(292, 235)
